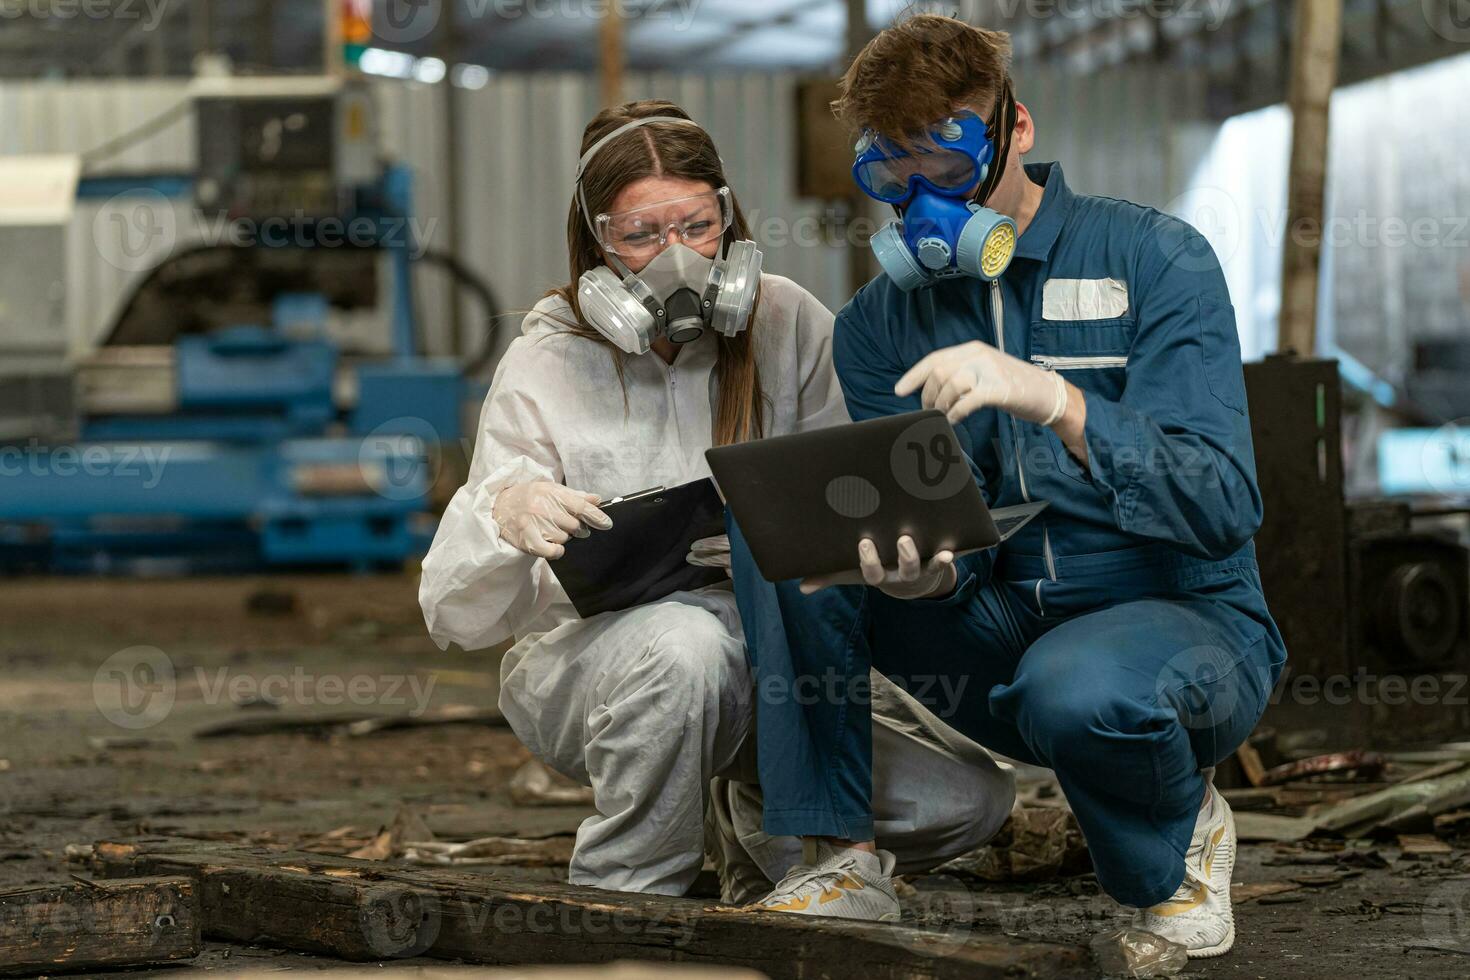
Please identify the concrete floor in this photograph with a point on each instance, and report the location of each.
(357, 644)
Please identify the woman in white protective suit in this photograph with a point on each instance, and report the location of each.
(620, 382)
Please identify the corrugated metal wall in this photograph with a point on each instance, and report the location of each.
(1125, 133)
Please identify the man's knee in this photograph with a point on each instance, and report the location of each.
(1063, 704)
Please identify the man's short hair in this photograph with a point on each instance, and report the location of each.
(917, 72)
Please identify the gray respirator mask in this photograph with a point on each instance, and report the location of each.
(679, 294)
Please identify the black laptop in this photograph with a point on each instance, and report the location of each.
(804, 501)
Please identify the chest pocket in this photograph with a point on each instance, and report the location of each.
(1085, 324)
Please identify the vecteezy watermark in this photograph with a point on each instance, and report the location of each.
(674, 927)
(1444, 458)
(1224, 225)
(1211, 13)
(396, 459)
(149, 12)
(135, 688)
(1450, 19)
(408, 21)
(1367, 688)
(142, 464)
(942, 694)
(136, 230)
(398, 921)
(1446, 917)
(138, 687)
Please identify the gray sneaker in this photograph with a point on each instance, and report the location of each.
(840, 883)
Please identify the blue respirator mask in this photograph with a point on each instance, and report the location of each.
(936, 186)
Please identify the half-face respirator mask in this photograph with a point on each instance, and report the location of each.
(938, 187)
(678, 293)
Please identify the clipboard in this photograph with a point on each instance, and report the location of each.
(641, 558)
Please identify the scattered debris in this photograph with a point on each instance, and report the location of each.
(1272, 827)
(534, 784)
(1036, 843)
(350, 723)
(392, 840)
(1251, 764)
(554, 852)
(1133, 953)
(1365, 765)
(89, 925)
(1423, 845)
(1404, 807)
(454, 714)
(1242, 893)
(109, 743)
(271, 602)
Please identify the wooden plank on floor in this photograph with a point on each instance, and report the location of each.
(145, 922)
(365, 911)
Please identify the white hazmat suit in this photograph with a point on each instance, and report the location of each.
(646, 705)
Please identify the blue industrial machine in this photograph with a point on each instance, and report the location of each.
(252, 445)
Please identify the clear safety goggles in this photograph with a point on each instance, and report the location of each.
(951, 164)
(646, 231)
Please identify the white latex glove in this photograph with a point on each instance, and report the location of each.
(537, 518)
(912, 579)
(961, 380)
(712, 552)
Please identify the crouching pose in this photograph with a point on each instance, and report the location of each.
(1121, 638)
(621, 380)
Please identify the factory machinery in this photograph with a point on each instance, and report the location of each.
(214, 444)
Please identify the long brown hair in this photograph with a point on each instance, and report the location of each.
(663, 150)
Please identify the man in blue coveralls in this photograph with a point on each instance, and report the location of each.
(1121, 638)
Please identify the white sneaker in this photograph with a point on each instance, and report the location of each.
(840, 883)
(1199, 917)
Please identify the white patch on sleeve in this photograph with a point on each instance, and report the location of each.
(1084, 299)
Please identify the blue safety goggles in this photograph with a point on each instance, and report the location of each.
(953, 163)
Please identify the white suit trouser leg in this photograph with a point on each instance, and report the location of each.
(645, 706)
(936, 794)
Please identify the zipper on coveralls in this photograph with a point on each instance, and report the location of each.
(998, 314)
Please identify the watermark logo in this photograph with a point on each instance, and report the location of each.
(396, 460)
(1200, 683)
(399, 922)
(1444, 459)
(134, 230)
(1450, 19)
(943, 911)
(927, 463)
(135, 688)
(1446, 917)
(1216, 215)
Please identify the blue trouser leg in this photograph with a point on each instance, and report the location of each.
(813, 744)
(1127, 702)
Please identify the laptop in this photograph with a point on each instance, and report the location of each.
(804, 501)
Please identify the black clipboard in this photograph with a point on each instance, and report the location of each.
(642, 557)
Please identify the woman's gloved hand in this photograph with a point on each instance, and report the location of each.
(912, 579)
(712, 552)
(961, 380)
(537, 518)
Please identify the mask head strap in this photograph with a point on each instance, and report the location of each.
(595, 148)
(1000, 133)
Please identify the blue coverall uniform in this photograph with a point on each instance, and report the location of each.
(1120, 639)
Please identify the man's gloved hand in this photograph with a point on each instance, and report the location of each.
(912, 579)
(712, 552)
(961, 380)
(539, 517)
